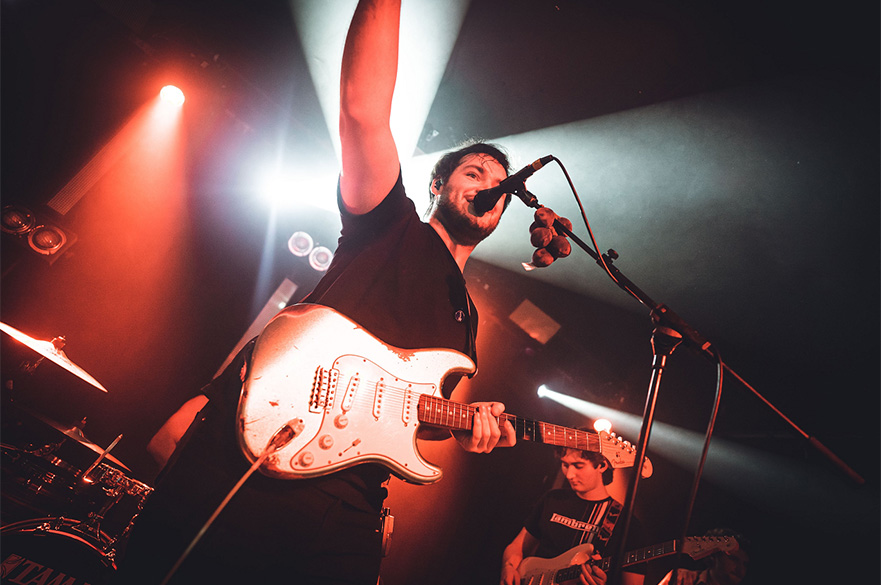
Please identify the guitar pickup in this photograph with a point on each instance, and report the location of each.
(351, 389)
(407, 412)
(323, 389)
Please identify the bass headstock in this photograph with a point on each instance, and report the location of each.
(698, 547)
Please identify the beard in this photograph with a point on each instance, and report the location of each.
(465, 228)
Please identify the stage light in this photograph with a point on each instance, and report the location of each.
(602, 425)
(172, 95)
(17, 220)
(34, 232)
(300, 244)
(542, 391)
(46, 239)
(320, 258)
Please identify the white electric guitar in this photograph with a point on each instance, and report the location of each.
(341, 397)
(566, 567)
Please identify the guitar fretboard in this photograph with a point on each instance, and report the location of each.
(630, 558)
(441, 412)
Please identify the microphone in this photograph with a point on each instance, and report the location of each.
(487, 198)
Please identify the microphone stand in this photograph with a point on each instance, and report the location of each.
(670, 330)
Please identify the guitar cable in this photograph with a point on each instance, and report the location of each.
(284, 435)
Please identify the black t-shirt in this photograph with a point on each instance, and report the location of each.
(393, 275)
(560, 521)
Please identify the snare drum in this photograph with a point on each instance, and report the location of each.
(52, 550)
(109, 501)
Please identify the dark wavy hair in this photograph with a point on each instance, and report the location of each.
(448, 163)
(596, 459)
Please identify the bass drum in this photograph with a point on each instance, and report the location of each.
(52, 550)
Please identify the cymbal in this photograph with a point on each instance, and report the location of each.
(53, 352)
(75, 433)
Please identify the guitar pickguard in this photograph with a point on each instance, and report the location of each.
(352, 397)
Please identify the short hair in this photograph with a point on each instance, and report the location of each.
(595, 458)
(449, 162)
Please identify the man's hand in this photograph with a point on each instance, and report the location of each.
(510, 576)
(592, 574)
(485, 433)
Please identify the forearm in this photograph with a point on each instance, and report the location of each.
(367, 84)
(370, 62)
(511, 559)
(512, 556)
(165, 441)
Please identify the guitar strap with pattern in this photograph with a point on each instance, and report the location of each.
(613, 512)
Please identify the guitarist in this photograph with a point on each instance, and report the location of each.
(569, 517)
(398, 277)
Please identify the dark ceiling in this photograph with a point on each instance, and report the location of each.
(728, 151)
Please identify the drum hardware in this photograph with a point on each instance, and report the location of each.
(58, 344)
(76, 433)
(95, 498)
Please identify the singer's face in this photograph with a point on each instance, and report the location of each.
(455, 209)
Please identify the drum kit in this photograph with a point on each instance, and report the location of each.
(68, 505)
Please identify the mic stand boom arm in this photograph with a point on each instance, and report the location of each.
(663, 316)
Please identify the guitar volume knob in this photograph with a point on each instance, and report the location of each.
(306, 459)
(325, 442)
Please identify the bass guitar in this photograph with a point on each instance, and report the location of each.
(566, 568)
(344, 397)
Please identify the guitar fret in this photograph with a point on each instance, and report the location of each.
(560, 569)
(442, 412)
(439, 411)
(565, 437)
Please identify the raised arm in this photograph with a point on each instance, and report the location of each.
(367, 82)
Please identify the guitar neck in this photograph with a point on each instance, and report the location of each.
(642, 555)
(630, 558)
(441, 412)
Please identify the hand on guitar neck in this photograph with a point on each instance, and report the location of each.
(488, 429)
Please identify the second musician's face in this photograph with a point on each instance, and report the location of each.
(583, 476)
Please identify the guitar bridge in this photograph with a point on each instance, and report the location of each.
(323, 389)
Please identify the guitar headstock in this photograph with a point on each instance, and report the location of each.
(698, 547)
(621, 453)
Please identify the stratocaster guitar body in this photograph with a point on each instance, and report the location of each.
(349, 397)
(539, 571)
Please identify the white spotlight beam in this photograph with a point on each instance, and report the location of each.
(769, 480)
(428, 32)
